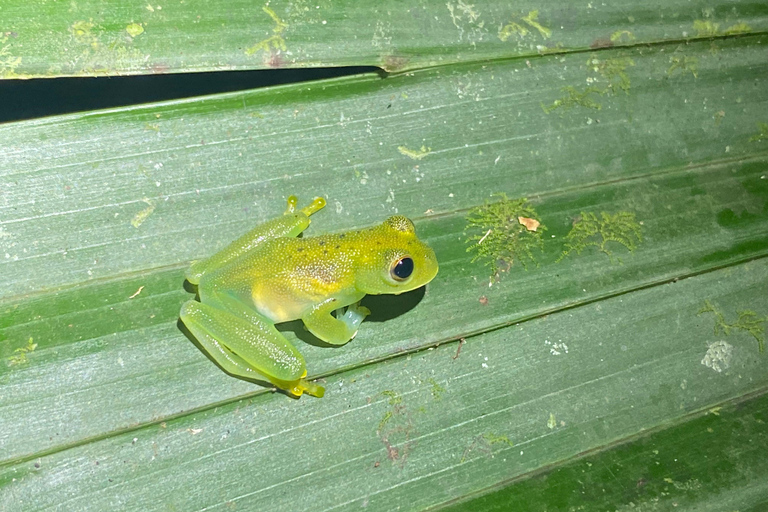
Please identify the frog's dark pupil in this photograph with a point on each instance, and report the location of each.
(403, 268)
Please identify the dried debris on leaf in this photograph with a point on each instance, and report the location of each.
(396, 429)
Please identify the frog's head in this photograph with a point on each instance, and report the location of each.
(395, 260)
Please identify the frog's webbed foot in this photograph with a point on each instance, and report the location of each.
(353, 316)
(335, 325)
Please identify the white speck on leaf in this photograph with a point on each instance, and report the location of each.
(718, 356)
(557, 348)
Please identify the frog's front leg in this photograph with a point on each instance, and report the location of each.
(335, 330)
(248, 347)
(290, 224)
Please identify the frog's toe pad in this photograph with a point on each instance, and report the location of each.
(309, 388)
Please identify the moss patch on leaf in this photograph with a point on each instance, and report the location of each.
(589, 230)
(762, 134)
(683, 64)
(273, 43)
(606, 77)
(748, 321)
(498, 237)
(8, 62)
(708, 28)
(19, 356)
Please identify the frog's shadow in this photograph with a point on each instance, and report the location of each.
(383, 308)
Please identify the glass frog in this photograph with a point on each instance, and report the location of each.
(270, 275)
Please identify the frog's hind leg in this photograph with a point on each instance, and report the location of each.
(291, 223)
(270, 356)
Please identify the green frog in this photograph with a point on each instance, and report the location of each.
(270, 275)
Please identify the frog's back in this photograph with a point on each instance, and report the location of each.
(285, 277)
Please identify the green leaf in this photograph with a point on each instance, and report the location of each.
(717, 458)
(643, 165)
(113, 37)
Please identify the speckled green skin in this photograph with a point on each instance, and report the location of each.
(269, 276)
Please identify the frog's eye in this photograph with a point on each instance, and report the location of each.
(402, 269)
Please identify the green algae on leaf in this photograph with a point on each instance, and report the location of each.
(414, 154)
(8, 63)
(144, 214)
(20, 354)
(436, 389)
(532, 20)
(739, 28)
(707, 28)
(275, 42)
(574, 97)
(591, 230)
(514, 28)
(81, 32)
(682, 63)
(621, 36)
(499, 236)
(484, 444)
(607, 78)
(96, 51)
(134, 29)
(511, 29)
(762, 134)
(612, 73)
(748, 321)
(552, 421)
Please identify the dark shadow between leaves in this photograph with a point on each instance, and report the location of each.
(41, 97)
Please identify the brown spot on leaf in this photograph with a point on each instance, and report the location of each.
(601, 42)
(530, 224)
